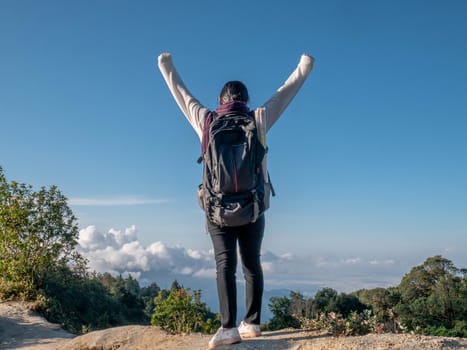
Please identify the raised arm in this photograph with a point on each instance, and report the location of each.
(194, 111)
(276, 105)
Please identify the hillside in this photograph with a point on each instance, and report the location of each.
(23, 329)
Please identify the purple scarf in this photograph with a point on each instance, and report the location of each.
(234, 106)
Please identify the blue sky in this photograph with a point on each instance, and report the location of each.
(369, 161)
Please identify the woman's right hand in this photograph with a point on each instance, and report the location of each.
(164, 57)
(309, 56)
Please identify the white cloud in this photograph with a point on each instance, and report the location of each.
(185, 270)
(121, 252)
(351, 261)
(287, 256)
(90, 239)
(382, 262)
(268, 267)
(194, 254)
(205, 273)
(160, 250)
(114, 201)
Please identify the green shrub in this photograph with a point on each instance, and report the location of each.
(459, 330)
(283, 316)
(337, 325)
(181, 311)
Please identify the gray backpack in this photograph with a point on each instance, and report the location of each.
(234, 191)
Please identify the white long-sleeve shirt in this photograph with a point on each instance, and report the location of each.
(266, 115)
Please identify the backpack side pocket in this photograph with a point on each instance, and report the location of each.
(201, 196)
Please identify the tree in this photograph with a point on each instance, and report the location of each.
(128, 294)
(433, 297)
(345, 304)
(38, 235)
(379, 299)
(282, 317)
(382, 302)
(297, 305)
(148, 294)
(325, 300)
(421, 280)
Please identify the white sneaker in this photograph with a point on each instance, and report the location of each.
(224, 336)
(248, 330)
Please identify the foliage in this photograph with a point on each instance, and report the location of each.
(181, 311)
(459, 330)
(337, 325)
(38, 236)
(99, 301)
(324, 300)
(147, 295)
(299, 306)
(328, 300)
(431, 299)
(127, 292)
(382, 302)
(91, 307)
(327, 310)
(38, 261)
(281, 308)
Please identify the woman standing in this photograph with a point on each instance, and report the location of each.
(234, 97)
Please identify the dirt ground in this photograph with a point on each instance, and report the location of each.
(25, 330)
(21, 328)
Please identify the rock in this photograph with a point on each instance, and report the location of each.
(146, 337)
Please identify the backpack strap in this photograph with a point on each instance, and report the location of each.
(205, 138)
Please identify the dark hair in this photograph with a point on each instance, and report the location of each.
(234, 91)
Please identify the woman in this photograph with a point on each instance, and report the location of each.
(234, 97)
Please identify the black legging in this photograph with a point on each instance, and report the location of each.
(224, 240)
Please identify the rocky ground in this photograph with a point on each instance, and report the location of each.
(21, 328)
(25, 330)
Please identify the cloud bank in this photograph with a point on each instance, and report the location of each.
(120, 252)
